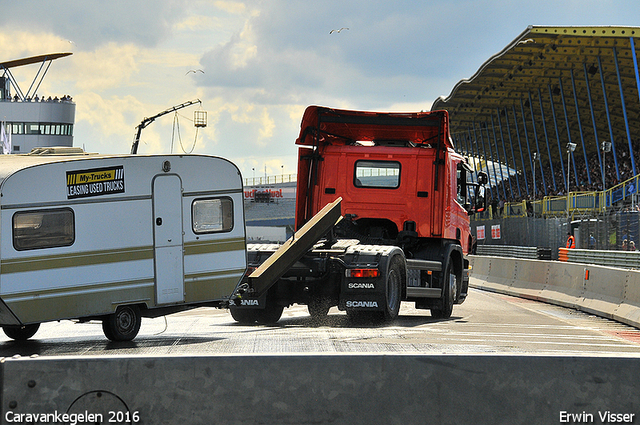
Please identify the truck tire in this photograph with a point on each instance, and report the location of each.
(21, 333)
(245, 316)
(318, 308)
(124, 324)
(393, 288)
(271, 313)
(249, 316)
(449, 287)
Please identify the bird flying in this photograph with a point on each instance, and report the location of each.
(332, 31)
(194, 71)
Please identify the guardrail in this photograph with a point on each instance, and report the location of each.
(531, 252)
(622, 259)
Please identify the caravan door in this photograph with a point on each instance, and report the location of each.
(167, 224)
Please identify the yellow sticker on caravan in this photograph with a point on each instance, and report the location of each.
(95, 182)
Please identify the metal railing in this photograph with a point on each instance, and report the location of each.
(528, 252)
(259, 181)
(579, 203)
(620, 259)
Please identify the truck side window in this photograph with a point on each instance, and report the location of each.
(377, 174)
(43, 229)
(212, 215)
(461, 183)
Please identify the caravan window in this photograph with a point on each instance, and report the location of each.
(43, 229)
(212, 215)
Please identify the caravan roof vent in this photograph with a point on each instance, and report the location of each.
(58, 150)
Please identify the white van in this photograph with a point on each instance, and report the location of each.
(116, 238)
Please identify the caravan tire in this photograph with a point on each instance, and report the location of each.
(21, 333)
(124, 324)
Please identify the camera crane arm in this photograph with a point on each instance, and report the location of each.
(145, 122)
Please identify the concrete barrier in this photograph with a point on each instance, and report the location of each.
(320, 389)
(605, 291)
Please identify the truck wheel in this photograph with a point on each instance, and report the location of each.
(449, 289)
(271, 313)
(393, 290)
(246, 316)
(21, 333)
(318, 308)
(124, 324)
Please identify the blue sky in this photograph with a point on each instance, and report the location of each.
(263, 62)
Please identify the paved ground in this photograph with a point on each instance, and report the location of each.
(485, 323)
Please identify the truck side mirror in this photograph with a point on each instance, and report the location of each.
(482, 178)
(480, 200)
(480, 203)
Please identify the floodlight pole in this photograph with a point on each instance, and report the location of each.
(605, 147)
(570, 148)
(535, 160)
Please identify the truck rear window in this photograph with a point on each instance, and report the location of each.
(377, 174)
(212, 215)
(43, 229)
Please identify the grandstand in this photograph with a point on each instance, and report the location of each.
(559, 107)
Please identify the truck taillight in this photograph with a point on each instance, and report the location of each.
(362, 273)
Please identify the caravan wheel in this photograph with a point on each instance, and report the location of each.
(21, 333)
(124, 324)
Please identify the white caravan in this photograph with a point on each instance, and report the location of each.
(116, 238)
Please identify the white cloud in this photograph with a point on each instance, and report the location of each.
(264, 61)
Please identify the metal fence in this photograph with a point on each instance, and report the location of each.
(606, 231)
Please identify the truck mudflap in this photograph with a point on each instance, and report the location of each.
(249, 302)
(361, 291)
(265, 276)
(464, 286)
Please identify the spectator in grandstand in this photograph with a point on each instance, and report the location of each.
(494, 207)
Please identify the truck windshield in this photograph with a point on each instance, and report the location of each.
(377, 174)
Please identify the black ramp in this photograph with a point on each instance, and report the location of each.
(292, 250)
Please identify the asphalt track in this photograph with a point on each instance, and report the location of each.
(487, 323)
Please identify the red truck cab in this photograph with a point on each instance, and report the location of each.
(397, 173)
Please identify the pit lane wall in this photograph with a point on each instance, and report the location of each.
(337, 389)
(609, 292)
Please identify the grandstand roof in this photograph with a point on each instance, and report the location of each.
(570, 75)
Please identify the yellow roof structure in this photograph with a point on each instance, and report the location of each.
(559, 84)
